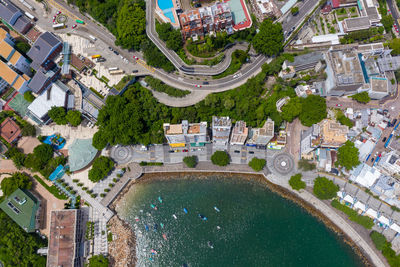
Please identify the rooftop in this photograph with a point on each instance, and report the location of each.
(333, 134)
(239, 132)
(40, 51)
(8, 11)
(9, 130)
(80, 154)
(221, 121)
(359, 23)
(62, 241)
(21, 206)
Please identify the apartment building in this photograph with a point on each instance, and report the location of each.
(221, 130)
(239, 133)
(261, 136)
(185, 133)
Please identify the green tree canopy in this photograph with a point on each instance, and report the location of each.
(190, 161)
(28, 130)
(22, 46)
(394, 44)
(294, 10)
(15, 181)
(29, 96)
(387, 21)
(74, 117)
(292, 109)
(269, 40)
(378, 239)
(98, 261)
(313, 110)
(348, 156)
(57, 114)
(296, 183)
(101, 167)
(220, 158)
(43, 153)
(362, 97)
(131, 25)
(324, 188)
(257, 164)
(18, 248)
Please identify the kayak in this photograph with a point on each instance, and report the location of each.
(137, 219)
(210, 244)
(173, 215)
(155, 227)
(218, 227)
(152, 206)
(201, 216)
(162, 225)
(160, 199)
(185, 210)
(164, 236)
(146, 227)
(217, 209)
(154, 252)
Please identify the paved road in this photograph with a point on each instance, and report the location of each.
(393, 10)
(305, 7)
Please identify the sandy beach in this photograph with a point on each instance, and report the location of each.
(122, 227)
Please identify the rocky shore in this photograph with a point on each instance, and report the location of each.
(122, 249)
(117, 250)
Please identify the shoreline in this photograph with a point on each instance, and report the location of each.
(281, 191)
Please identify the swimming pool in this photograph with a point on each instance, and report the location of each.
(166, 6)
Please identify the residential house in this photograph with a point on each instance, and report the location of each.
(185, 133)
(332, 133)
(66, 238)
(10, 78)
(44, 50)
(191, 24)
(266, 9)
(56, 96)
(23, 208)
(239, 133)
(9, 130)
(261, 136)
(221, 130)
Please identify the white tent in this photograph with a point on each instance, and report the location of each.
(360, 205)
(395, 227)
(372, 213)
(349, 199)
(383, 220)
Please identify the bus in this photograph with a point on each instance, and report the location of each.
(115, 72)
(113, 68)
(29, 15)
(58, 26)
(80, 21)
(96, 56)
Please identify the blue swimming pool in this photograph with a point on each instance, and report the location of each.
(166, 6)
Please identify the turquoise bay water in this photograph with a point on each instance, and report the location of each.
(257, 226)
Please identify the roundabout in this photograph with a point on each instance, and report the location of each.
(283, 163)
(61, 18)
(122, 154)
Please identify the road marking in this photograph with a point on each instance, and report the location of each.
(141, 62)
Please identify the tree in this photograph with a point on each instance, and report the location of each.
(362, 97)
(15, 181)
(348, 156)
(220, 158)
(57, 114)
(43, 153)
(22, 46)
(17, 157)
(257, 164)
(378, 239)
(101, 167)
(98, 261)
(74, 117)
(296, 183)
(28, 130)
(387, 22)
(394, 44)
(190, 161)
(269, 40)
(131, 25)
(292, 109)
(324, 188)
(29, 96)
(313, 110)
(294, 10)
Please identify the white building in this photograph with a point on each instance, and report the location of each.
(221, 130)
(365, 175)
(262, 136)
(185, 133)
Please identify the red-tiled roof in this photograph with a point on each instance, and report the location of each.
(9, 130)
(335, 3)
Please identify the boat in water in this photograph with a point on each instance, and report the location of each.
(162, 225)
(185, 210)
(218, 227)
(154, 252)
(160, 199)
(164, 236)
(201, 216)
(216, 209)
(173, 215)
(155, 227)
(210, 244)
(146, 227)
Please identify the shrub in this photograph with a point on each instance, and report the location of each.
(296, 183)
(101, 167)
(29, 96)
(190, 161)
(107, 190)
(257, 164)
(220, 158)
(111, 185)
(378, 239)
(362, 97)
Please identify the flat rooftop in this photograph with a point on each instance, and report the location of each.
(379, 84)
(221, 121)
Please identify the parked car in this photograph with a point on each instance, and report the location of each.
(135, 71)
(338, 105)
(237, 151)
(394, 122)
(372, 159)
(58, 13)
(251, 152)
(185, 150)
(171, 151)
(74, 26)
(115, 52)
(110, 48)
(206, 83)
(384, 139)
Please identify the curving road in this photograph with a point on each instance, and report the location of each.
(177, 61)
